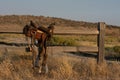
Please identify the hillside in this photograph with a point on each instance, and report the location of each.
(22, 20)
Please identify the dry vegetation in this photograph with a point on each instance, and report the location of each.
(15, 63)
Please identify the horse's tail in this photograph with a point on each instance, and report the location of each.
(50, 30)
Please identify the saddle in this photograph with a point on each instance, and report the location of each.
(38, 34)
(40, 30)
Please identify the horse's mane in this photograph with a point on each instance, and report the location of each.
(33, 24)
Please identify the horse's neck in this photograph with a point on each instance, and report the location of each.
(33, 30)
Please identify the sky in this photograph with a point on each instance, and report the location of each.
(107, 11)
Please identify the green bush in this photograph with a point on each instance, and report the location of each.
(62, 41)
(112, 51)
(117, 49)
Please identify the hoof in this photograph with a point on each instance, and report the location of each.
(37, 66)
(45, 69)
(39, 71)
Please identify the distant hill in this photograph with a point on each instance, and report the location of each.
(41, 20)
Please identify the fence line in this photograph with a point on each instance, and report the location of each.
(73, 32)
(100, 40)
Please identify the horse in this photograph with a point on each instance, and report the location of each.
(39, 36)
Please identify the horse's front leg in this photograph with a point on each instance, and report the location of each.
(34, 54)
(34, 51)
(39, 59)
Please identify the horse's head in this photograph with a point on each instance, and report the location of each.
(27, 30)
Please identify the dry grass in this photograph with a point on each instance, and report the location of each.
(12, 38)
(16, 65)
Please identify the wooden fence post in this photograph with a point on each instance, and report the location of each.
(101, 41)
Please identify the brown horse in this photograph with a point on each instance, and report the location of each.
(39, 36)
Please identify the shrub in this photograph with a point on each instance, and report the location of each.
(113, 53)
(62, 41)
(116, 49)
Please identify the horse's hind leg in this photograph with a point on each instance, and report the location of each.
(37, 59)
(42, 58)
(45, 56)
(44, 64)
